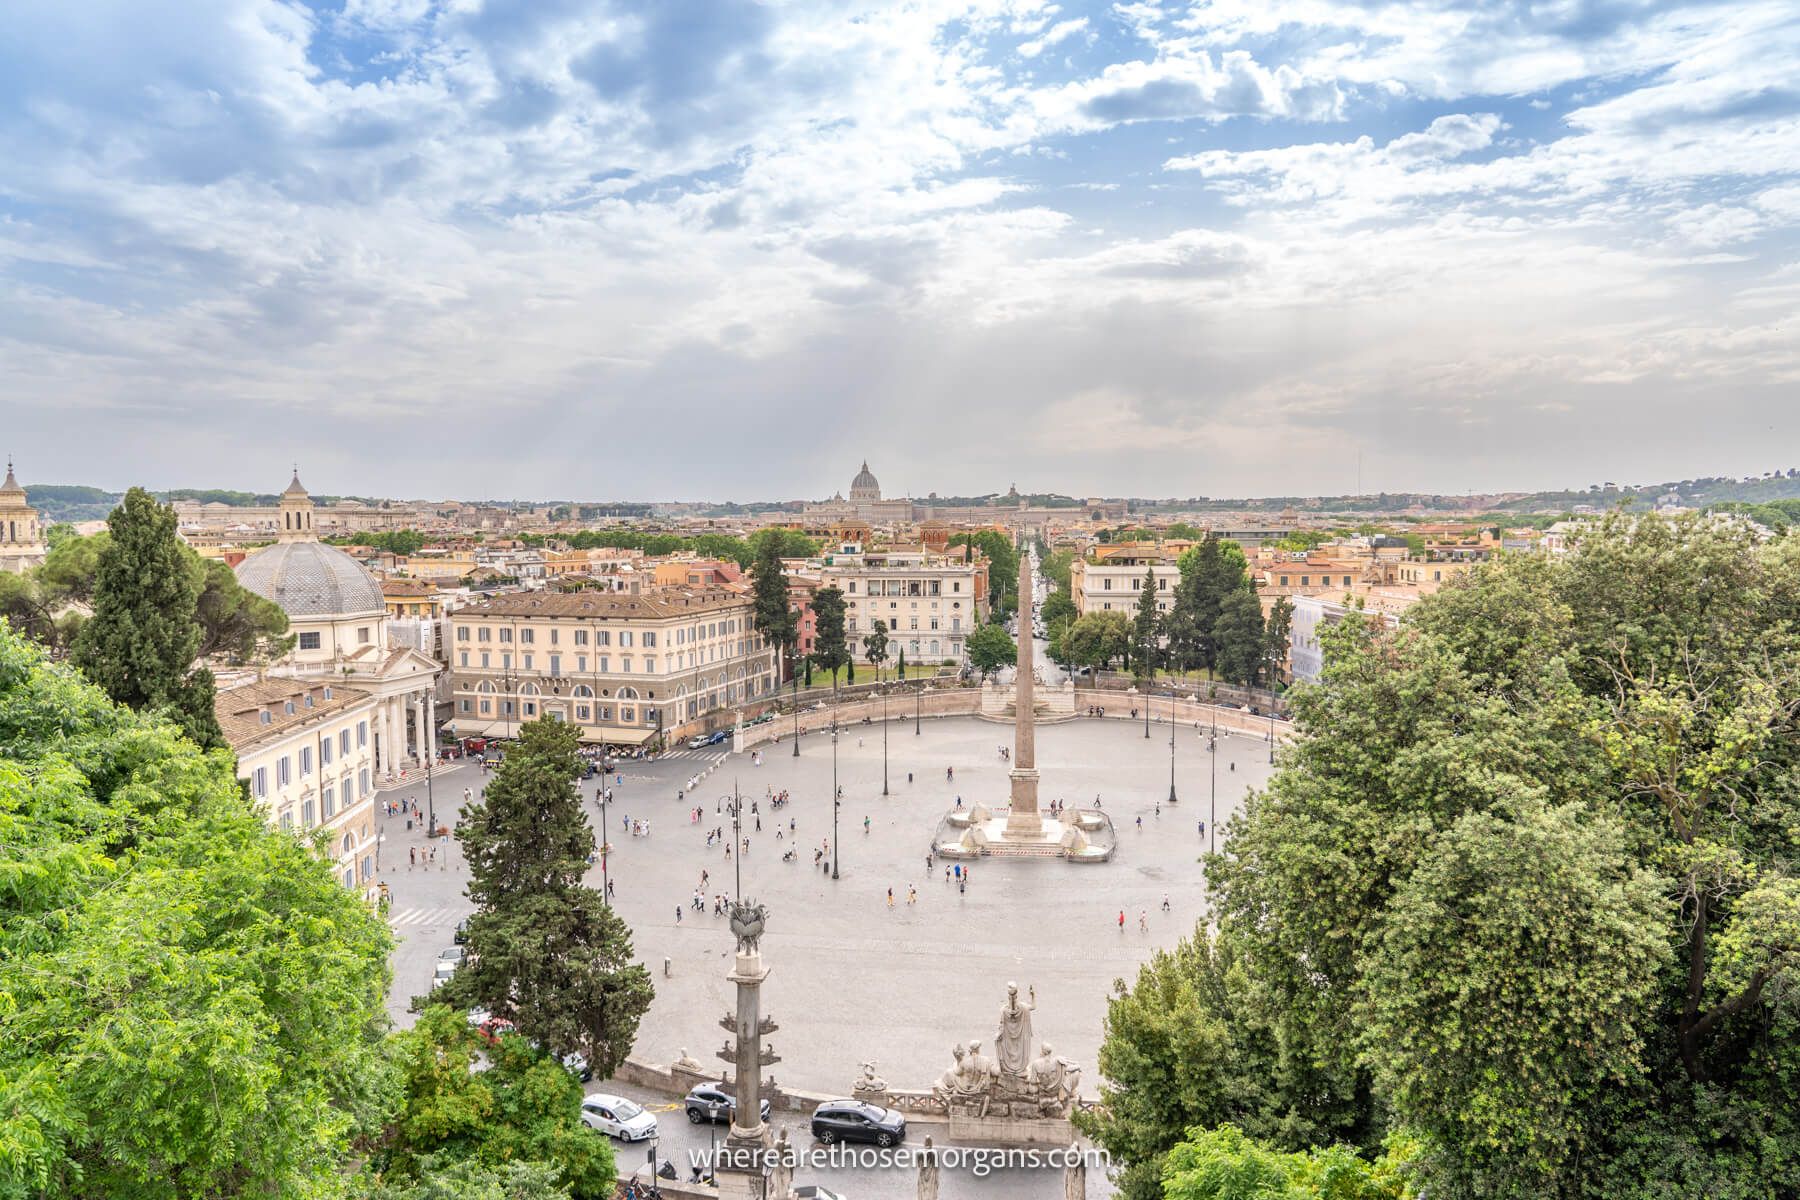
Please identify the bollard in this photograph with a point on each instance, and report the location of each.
(665, 966)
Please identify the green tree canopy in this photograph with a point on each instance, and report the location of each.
(831, 644)
(1097, 639)
(545, 950)
(991, 648)
(1146, 627)
(772, 609)
(875, 646)
(1524, 887)
(192, 1004)
(1003, 565)
(142, 641)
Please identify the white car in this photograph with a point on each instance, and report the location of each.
(617, 1117)
(445, 969)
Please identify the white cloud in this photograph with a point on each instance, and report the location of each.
(1061, 31)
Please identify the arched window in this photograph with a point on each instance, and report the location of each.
(584, 692)
(628, 693)
(530, 689)
(485, 687)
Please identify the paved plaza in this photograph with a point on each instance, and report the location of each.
(853, 979)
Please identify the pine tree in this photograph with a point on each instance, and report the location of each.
(1143, 628)
(773, 611)
(545, 950)
(141, 643)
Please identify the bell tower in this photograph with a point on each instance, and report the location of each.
(297, 512)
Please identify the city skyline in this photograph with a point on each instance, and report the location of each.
(718, 250)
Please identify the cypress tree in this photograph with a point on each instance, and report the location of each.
(141, 642)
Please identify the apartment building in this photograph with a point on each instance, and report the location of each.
(307, 750)
(930, 602)
(1111, 578)
(627, 668)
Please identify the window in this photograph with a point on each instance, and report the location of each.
(581, 712)
(505, 661)
(362, 733)
(527, 636)
(325, 752)
(530, 708)
(482, 634)
(327, 801)
(1106, 585)
(605, 665)
(309, 640)
(581, 637)
(288, 708)
(485, 660)
(265, 717)
(649, 638)
(556, 664)
(528, 662)
(284, 771)
(627, 715)
(259, 782)
(306, 815)
(650, 664)
(581, 662)
(307, 700)
(462, 633)
(603, 637)
(463, 659)
(362, 782)
(554, 636)
(305, 761)
(362, 635)
(462, 705)
(624, 637)
(287, 819)
(506, 635)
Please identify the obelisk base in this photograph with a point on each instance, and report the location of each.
(1024, 820)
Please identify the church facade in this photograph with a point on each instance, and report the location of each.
(21, 528)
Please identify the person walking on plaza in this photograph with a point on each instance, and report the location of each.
(890, 897)
(912, 894)
(1121, 920)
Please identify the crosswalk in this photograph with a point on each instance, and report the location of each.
(429, 917)
(686, 753)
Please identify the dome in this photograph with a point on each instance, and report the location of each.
(864, 485)
(310, 579)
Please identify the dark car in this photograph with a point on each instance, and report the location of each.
(718, 737)
(711, 1102)
(854, 1121)
(461, 936)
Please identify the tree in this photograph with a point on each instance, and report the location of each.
(1057, 607)
(1003, 565)
(235, 621)
(143, 638)
(1223, 1164)
(831, 643)
(875, 647)
(1239, 637)
(772, 609)
(990, 648)
(1277, 634)
(900, 667)
(1144, 628)
(545, 950)
(1524, 885)
(525, 1109)
(789, 543)
(1097, 639)
(193, 1003)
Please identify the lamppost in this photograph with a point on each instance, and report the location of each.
(918, 702)
(884, 756)
(1172, 723)
(1146, 708)
(430, 808)
(796, 704)
(605, 833)
(1213, 816)
(1271, 727)
(835, 802)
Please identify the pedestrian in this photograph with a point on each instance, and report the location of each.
(412, 857)
(909, 777)
(1203, 829)
(912, 894)
(1165, 902)
(1140, 822)
(865, 824)
(609, 889)
(890, 897)
(1143, 922)
(1121, 920)
(962, 885)
(678, 914)
(946, 874)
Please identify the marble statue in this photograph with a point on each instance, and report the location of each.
(747, 920)
(928, 1172)
(781, 1171)
(686, 1062)
(1012, 1044)
(1075, 1174)
(1054, 1081)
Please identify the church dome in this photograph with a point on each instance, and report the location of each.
(311, 579)
(864, 486)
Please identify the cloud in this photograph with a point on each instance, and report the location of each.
(244, 229)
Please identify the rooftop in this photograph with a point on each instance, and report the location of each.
(240, 709)
(661, 602)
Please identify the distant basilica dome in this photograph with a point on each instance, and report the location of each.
(864, 487)
(303, 575)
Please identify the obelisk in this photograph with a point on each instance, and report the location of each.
(1023, 820)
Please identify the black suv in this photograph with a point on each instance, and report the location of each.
(854, 1121)
(711, 1102)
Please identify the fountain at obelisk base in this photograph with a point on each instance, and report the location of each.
(1019, 829)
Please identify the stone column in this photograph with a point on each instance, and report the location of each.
(430, 706)
(396, 741)
(384, 740)
(740, 1169)
(1023, 820)
(421, 733)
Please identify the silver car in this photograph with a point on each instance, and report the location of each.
(617, 1117)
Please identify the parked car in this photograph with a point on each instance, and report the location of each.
(717, 737)
(711, 1102)
(454, 954)
(617, 1117)
(698, 741)
(462, 932)
(445, 969)
(812, 1191)
(854, 1121)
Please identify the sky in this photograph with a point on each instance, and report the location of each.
(687, 249)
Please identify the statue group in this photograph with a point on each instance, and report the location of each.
(1014, 1082)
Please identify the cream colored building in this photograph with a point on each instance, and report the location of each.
(624, 667)
(930, 602)
(338, 617)
(21, 530)
(1112, 579)
(305, 747)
